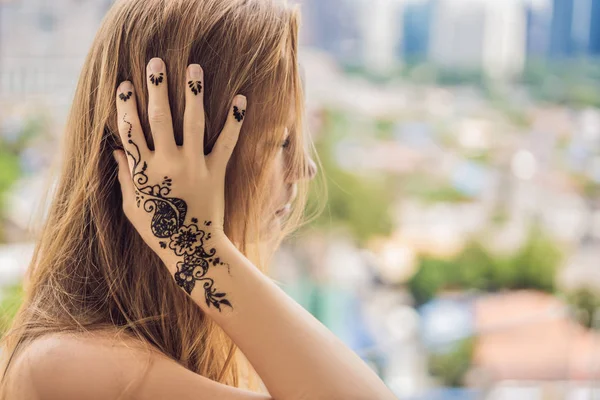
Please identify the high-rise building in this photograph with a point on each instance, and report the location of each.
(457, 33)
(561, 30)
(331, 25)
(594, 37)
(476, 34)
(538, 30)
(43, 46)
(416, 22)
(380, 33)
(505, 38)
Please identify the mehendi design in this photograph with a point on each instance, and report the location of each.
(156, 79)
(126, 96)
(168, 223)
(239, 115)
(195, 86)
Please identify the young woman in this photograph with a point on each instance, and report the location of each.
(184, 151)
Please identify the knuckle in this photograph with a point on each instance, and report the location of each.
(229, 142)
(171, 162)
(124, 126)
(157, 115)
(227, 146)
(194, 126)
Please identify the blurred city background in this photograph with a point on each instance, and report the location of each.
(458, 254)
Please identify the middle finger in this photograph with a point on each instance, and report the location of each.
(159, 111)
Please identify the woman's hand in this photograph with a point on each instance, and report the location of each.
(174, 196)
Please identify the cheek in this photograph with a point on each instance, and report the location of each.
(277, 196)
(277, 179)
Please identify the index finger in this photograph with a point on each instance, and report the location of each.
(130, 129)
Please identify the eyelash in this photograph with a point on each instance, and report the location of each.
(286, 143)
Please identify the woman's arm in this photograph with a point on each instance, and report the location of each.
(294, 354)
(175, 199)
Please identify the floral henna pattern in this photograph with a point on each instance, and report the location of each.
(186, 241)
(237, 114)
(125, 96)
(195, 86)
(156, 79)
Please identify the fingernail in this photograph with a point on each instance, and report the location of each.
(240, 101)
(114, 153)
(125, 87)
(195, 72)
(156, 65)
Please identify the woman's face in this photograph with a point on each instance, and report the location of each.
(283, 180)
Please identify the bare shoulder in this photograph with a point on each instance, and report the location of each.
(72, 365)
(106, 366)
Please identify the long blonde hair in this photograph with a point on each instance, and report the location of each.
(90, 269)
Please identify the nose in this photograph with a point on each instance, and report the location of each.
(307, 171)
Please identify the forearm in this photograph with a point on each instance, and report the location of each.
(294, 354)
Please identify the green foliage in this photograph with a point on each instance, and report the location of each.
(452, 366)
(10, 301)
(10, 170)
(573, 82)
(457, 76)
(586, 304)
(432, 275)
(360, 204)
(570, 82)
(432, 190)
(384, 129)
(533, 266)
(10, 167)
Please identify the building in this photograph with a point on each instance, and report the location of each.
(457, 35)
(505, 38)
(331, 25)
(416, 23)
(561, 29)
(539, 18)
(594, 31)
(380, 34)
(43, 46)
(480, 35)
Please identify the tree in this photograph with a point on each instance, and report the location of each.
(362, 205)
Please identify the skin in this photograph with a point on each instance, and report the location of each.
(294, 354)
(282, 185)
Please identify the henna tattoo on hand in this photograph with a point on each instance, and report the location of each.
(124, 96)
(239, 115)
(168, 223)
(195, 86)
(156, 79)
